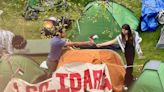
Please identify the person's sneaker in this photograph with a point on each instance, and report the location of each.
(125, 88)
(134, 79)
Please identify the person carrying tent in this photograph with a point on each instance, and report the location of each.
(49, 27)
(57, 43)
(9, 41)
(51, 24)
(128, 40)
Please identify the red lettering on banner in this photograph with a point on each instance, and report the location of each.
(106, 83)
(72, 82)
(62, 76)
(97, 78)
(31, 88)
(102, 87)
(16, 86)
(43, 87)
(51, 91)
(87, 80)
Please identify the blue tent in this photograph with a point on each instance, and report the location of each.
(150, 9)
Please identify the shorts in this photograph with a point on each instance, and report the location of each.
(52, 64)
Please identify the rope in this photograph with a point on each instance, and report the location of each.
(141, 65)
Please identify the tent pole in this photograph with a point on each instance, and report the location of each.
(78, 26)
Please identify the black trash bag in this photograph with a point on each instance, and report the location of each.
(31, 15)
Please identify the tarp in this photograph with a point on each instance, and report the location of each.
(151, 79)
(36, 47)
(104, 19)
(109, 57)
(74, 77)
(150, 9)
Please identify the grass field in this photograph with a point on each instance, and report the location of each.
(12, 20)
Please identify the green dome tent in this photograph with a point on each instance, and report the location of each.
(18, 66)
(151, 79)
(104, 19)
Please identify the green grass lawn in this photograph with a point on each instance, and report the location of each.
(12, 20)
(149, 48)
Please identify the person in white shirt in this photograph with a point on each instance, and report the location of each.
(9, 41)
(128, 41)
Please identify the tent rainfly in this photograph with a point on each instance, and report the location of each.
(18, 66)
(104, 19)
(151, 79)
(160, 43)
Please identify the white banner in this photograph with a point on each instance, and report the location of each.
(75, 77)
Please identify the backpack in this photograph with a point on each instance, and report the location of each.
(31, 14)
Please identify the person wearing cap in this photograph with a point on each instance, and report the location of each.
(9, 41)
(57, 43)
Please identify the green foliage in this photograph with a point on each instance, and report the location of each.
(81, 2)
(133, 5)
